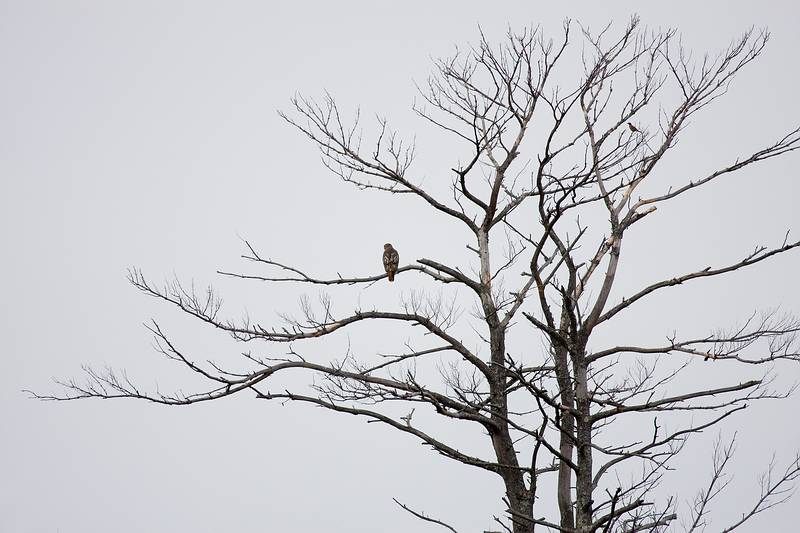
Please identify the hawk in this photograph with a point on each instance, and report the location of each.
(390, 260)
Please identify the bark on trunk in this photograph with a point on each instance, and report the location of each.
(583, 478)
(566, 439)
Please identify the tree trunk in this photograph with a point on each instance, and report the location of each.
(566, 438)
(518, 495)
(583, 481)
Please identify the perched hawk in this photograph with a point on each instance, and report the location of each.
(633, 128)
(390, 260)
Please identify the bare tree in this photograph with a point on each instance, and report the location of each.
(546, 416)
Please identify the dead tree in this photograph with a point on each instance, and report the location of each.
(591, 152)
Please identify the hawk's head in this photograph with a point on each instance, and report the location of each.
(387, 246)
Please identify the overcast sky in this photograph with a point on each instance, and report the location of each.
(146, 134)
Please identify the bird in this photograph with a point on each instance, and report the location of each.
(633, 128)
(390, 260)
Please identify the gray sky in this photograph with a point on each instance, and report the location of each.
(145, 134)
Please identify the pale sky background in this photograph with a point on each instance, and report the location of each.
(146, 134)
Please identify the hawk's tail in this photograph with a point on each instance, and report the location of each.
(391, 275)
